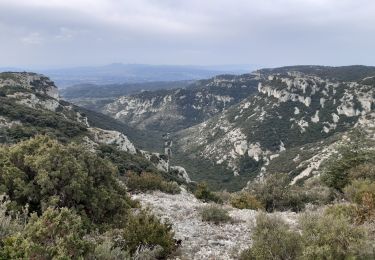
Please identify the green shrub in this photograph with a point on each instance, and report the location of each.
(57, 234)
(339, 170)
(244, 200)
(329, 236)
(44, 173)
(149, 182)
(215, 214)
(11, 222)
(347, 211)
(125, 161)
(355, 191)
(272, 240)
(107, 250)
(317, 193)
(144, 229)
(364, 171)
(203, 193)
(362, 192)
(275, 193)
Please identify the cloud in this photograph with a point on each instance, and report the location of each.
(270, 32)
(32, 39)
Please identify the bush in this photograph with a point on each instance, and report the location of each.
(362, 192)
(203, 193)
(44, 173)
(357, 189)
(350, 164)
(332, 237)
(364, 171)
(273, 240)
(275, 193)
(317, 193)
(125, 161)
(149, 182)
(215, 214)
(144, 229)
(347, 211)
(107, 250)
(57, 234)
(10, 222)
(244, 200)
(322, 236)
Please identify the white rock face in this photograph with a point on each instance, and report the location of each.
(255, 151)
(203, 240)
(296, 110)
(160, 162)
(6, 123)
(113, 137)
(31, 81)
(182, 172)
(240, 147)
(32, 101)
(315, 118)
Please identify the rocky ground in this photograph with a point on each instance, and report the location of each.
(202, 240)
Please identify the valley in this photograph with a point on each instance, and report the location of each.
(209, 165)
(241, 127)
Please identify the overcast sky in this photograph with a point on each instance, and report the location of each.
(41, 33)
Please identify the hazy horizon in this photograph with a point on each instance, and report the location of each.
(76, 33)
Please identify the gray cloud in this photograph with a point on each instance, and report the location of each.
(269, 32)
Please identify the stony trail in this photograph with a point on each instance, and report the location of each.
(202, 240)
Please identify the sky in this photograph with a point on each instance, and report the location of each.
(63, 33)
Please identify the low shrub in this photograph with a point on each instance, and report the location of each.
(144, 229)
(107, 250)
(150, 182)
(275, 193)
(362, 192)
(203, 193)
(215, 214)
(357, 189)
(11, 222)
(224, 196)
(272, 240)
(57, 234)
(244, 200)
(365, 171)
(326, 236)
(347, 211)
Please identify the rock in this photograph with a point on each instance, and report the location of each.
(114, 138)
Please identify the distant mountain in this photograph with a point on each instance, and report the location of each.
(92, 91)
(118, 73)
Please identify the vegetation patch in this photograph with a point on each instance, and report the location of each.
(215, 214)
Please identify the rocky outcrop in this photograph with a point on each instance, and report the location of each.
(113, 138)
(181, 173)
(36, 83)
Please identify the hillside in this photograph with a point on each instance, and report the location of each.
(290, 125)
(30, 106)
(173, 110)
